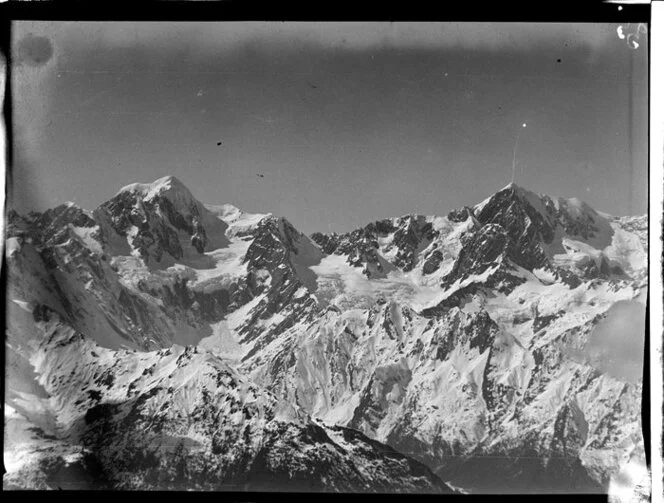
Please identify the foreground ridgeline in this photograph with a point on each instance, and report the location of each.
(157, 342)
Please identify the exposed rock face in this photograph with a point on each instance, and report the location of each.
(282, 251)
(182, 345)
(151, 218)
(460, 215)
(361, 246)
(527, 229)
(480, 252)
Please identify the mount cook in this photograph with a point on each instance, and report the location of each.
(161, 343)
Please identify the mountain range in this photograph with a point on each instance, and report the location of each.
(157, 342)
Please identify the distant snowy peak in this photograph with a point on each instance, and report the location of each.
(169, 197)
(513, 192)
(240, 223)
(161, 218)
(542, 203)
(168, 186)
(66, 213)
(569, 215)
(566, 236)
(514, 202)
(56, 226)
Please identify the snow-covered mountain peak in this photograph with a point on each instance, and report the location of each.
(516, 188)
(240, 223)
(519, 190)
(510, 194)
(575, 207)
(168, 187)
(164, 183)
(553, 210)
(547, 231)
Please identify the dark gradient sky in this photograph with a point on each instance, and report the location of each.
(348, 123)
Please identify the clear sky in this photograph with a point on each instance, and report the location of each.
(347, 122)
